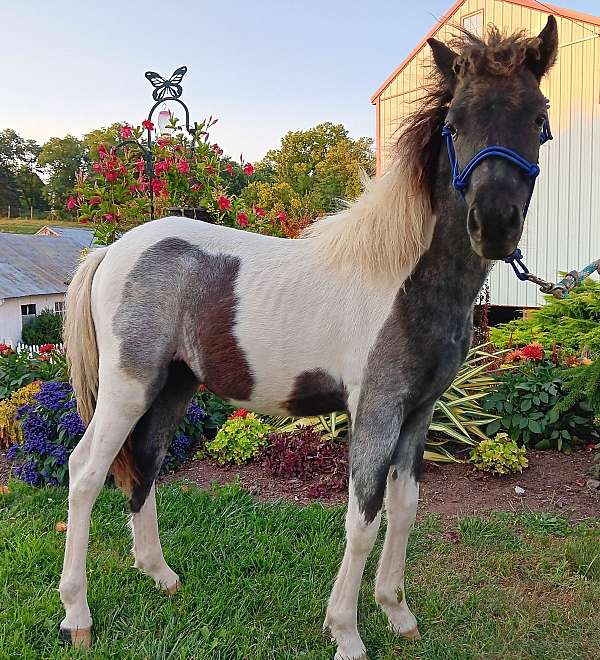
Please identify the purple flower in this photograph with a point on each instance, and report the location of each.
(52, 394)
(12, 452)
(37, 431)
(28, 473)
(195, 414)
(59, 453)
(23, 411)
(71, 424)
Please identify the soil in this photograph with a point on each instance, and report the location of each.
(553, 482)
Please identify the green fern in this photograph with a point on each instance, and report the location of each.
(582, 384)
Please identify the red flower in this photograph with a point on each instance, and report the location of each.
(83, 221)
(148, 125)
(159, 187)
(533, 351)
(4, 347)
(183, 166)
(248, 169)
(240, 412)
(97, 167)
(71, 203)
(140, 165)
(47, 348)
(229, 169)
(126, 132)
(242, 219)
(217, 149)
(259, 212)
(111, 175)
(95, 200)
(162, 166)
(109, 217)
(224, 203)
(102, 151)
(210, 170)
(163, 141)
(282, 216)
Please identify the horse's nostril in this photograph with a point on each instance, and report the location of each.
(474, 225)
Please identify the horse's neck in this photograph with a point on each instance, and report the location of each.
(449, 269)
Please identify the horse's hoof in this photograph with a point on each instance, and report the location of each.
(173, 589)
(79, 637)
(413, 634)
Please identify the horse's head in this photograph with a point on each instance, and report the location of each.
(495, 100)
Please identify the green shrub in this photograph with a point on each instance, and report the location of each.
(240, 438)
(500, 455)
(582, 383)
(526, 399)
(574, 322)
(216, 410)
(45, 328)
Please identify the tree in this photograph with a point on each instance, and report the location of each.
(312, 172)
(20, 185)
(108, 136)
(61, 158)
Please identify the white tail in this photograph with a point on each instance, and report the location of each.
(79, 335)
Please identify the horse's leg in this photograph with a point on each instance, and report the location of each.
(374, 437)
(402, 494)
(150, 442)
(120, 405)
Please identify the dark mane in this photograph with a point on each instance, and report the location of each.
(498, 54)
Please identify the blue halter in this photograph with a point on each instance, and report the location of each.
(460, 179)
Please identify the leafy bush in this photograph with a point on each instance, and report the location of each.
(304, 453)
(18, 369)
(240, 438)
(45, 328)
(573, 323)
(52, 428)
(582, 383)
(499, 456)
(216, 410)
(10, 431)
(526, 399)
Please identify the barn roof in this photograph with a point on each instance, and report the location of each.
(83, 237)
(531, 4)
(35, 265)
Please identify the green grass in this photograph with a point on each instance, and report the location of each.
(28, 226)
(257, 578)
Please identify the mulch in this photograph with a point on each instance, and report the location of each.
(553, 482)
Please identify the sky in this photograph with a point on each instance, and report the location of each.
(263, 68)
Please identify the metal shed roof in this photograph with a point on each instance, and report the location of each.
(35, 265)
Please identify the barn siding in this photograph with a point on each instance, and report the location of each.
(563, 225)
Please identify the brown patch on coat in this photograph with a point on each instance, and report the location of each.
(226, 369)
(316, 392)
(124, 470)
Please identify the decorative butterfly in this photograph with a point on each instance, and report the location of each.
(170, 87)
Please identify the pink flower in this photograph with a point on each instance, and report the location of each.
(97, 167)
(111, 175)
(159, 187)
(242, 219)
(259, 212)
(71, 203)
(109, 217)
(210, 170)
(183, 166)
(229, 169)
(217, 149)
(95, 200)
(282, 216)
(102, 151)
(140, 165)
(126, 132)
(248, 169)
(161, 166)
(163, 141)
(148, 125)
(224, 203)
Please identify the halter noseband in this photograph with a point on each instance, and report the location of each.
(460, 179)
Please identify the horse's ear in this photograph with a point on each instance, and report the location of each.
(444, 59)
(541, 57)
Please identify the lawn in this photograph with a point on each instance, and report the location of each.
(257, 577)
(28, 226)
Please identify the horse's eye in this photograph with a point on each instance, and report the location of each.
(540, 120)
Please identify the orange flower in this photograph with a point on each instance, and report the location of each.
(513, 356)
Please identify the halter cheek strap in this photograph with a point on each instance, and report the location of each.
(460, 180)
